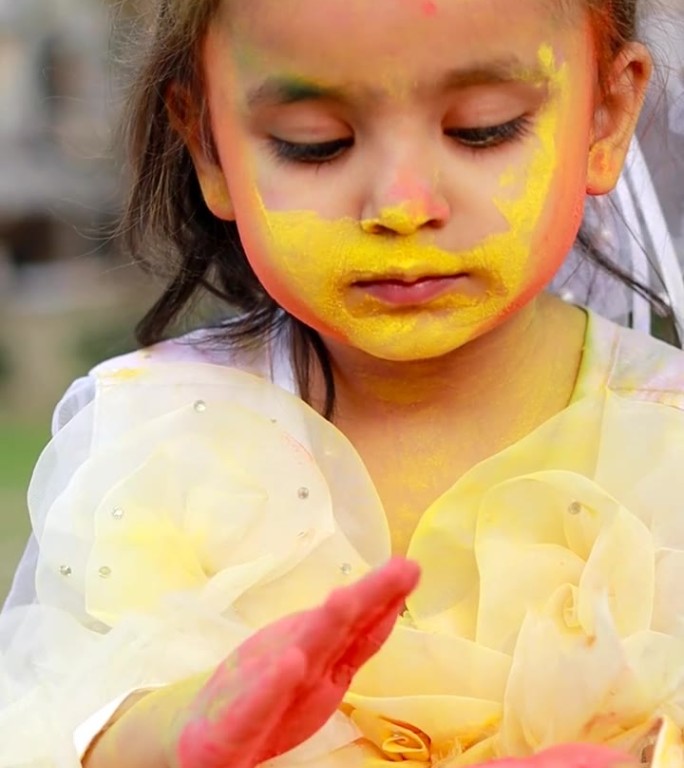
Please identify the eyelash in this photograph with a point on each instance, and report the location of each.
(479, 139)
(475, 139)
(310, 154)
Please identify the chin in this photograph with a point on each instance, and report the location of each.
(417, 348)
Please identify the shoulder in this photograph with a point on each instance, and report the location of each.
(204, 346)
(644, 368)
(201, 346)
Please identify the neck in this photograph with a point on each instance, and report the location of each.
(518, 362)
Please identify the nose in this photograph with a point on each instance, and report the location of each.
(404, 206)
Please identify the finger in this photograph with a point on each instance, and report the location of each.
(365, 644)
(376, 618)
(372, 630)
(327, 632)
(239, 735)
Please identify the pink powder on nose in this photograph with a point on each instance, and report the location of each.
(429, 8)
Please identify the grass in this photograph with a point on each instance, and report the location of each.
(20, 446)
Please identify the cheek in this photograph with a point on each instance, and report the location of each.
(550, 212)
(553, 228)
(562, 218)
(297, 274)
(562, 215)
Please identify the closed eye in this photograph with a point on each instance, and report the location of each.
(491, 136)
(313, 154)
(320, 153)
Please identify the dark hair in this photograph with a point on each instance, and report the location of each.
(170, 231)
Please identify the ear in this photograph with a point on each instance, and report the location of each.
(186, 122)
(616, 116)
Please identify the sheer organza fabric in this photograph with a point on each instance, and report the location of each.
(190, 504)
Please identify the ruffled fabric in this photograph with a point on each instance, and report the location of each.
(189, 504)
(560, 560)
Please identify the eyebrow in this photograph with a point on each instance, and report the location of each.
(279, 91)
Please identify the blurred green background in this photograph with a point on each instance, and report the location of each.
(42, 353)
(67, 298)
(20, 445)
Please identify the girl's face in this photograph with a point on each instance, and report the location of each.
(404, 174)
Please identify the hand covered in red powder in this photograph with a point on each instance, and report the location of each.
(570, 756)
(285, 682)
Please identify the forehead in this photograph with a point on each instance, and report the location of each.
(363, 39)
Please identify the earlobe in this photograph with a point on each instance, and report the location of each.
(213, 184)
(605, 166)
(616, 117)
(209, 172)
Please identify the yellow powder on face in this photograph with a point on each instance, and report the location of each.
(318, 260)
(404, 219)
(341, 253)
(523, 214)
(508, 179)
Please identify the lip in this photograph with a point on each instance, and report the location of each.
(404, 292)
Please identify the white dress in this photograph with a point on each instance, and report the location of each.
(188, 503)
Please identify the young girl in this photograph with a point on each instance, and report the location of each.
(383, 190)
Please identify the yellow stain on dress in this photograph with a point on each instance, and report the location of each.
(123, 374)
